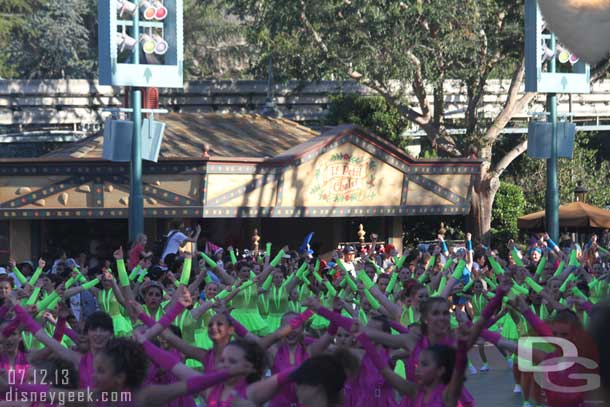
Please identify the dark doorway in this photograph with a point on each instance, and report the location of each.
(101, 236)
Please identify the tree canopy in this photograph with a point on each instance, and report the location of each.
(410, 46)
(52, 42)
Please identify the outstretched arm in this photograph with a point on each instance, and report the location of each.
(453, 390)
(381, 364)
(39, 333)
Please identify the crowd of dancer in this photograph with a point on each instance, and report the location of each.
(366, 328)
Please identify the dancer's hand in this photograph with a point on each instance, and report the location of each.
(118, 254)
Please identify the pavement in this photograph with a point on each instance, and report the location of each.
(495, 387)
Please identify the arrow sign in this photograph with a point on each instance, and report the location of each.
(564, 82)
(148, 75)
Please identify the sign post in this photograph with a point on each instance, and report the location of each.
(544, 76)
(140, 45)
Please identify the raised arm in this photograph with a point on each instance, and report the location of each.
(224, 276)
(381, 364)
(452, 392)
(162, 394)
(453, 279)
(39, 333)
(394, 310)
(180, 301)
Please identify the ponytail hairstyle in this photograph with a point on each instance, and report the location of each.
(424, 309)
(444, 356)
(330, 371)
(127, 356)
(255, 355)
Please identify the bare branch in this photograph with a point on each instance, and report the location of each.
(441, 139)
(486, 65)
(438, 135)
(513, 104)
(316, 36)
(505, 161)
(419, 88)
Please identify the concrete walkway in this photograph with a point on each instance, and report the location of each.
(493, 388)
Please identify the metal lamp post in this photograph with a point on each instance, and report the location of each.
(155, 29)
(552, 190)
(542, 77)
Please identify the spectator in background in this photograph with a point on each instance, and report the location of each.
(177, 239)
(137, 251)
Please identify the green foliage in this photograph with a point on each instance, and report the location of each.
(508, 206)
(371, 112)
(587, 167)
(53, 43)
(321, 39)
(215, 44)
(12, 16)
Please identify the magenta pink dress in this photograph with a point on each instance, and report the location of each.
(466, 398)
(156, 375)
(372, 389)
(350, 397)
(288, 396)
(209, 363)
(85, 371)
(20, 370)
(435, 400)
(18, 374)
(216, 393)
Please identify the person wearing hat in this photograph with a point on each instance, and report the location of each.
(176, 239)
(218, 253)
(349, 256)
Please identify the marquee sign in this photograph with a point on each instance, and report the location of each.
(345, 178)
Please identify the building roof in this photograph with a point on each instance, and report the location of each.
(333, 134)
(226, 134)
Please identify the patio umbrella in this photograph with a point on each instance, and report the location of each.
(575, 215)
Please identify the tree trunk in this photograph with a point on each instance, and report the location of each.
(483, 195)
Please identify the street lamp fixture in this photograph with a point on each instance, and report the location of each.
(580, 192)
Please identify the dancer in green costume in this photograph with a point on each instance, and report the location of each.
(245, 302)
(276, 297)
(152, 291)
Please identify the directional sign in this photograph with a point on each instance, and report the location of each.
(150, 57)
(572, 76)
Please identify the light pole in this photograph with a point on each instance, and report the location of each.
(574, 77)
(155, 29)
(552, 191)
(136, 200)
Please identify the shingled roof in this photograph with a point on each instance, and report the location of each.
(227, 135)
